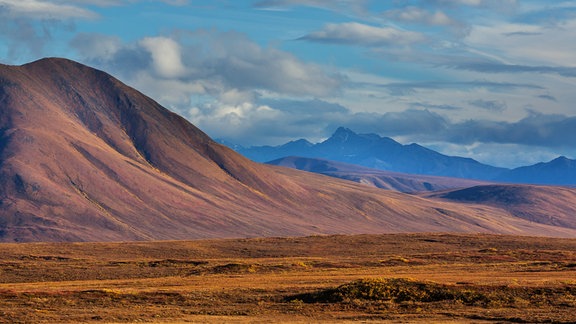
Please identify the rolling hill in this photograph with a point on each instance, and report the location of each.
(389, 180)
(539, 204)
(84, 157)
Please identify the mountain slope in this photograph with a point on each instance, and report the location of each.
(88, 151)
(560, 171)
(539, 204)
(84, 157)
(402, 182)
(373, 151)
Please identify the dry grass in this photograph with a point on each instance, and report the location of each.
(408, 278)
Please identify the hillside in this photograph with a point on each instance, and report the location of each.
(83, 157)
(539, 204)
(402, 182)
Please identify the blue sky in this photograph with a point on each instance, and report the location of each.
(489, 79)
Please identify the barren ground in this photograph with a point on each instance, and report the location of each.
(449, 278)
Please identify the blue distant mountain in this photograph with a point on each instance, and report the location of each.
(263, 154)
(560, 171)
(374, 151)
(384, 153)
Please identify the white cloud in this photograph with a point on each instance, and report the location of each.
(225, 74)
(101, 3)
(462, 2)
(269, 121)
(346, 6)
(418, 15)
(242, 64)
(166, 56)
(176, 2)
(527, 44)
(354, 33)
(243, 122)
(236, 97)
(498, 5)
(38, 9)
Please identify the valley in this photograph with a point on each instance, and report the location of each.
(448, 278)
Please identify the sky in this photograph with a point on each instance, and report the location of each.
(492, 80)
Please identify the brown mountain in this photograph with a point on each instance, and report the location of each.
(84, 157)
(539, 204)
(403, 182)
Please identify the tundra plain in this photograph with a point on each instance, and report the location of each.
(455, 278)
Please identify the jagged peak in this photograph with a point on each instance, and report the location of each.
(343, 131)
(342, 134)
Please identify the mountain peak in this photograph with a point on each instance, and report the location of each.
(57, 66)
(303, 143)
(343, 130)
(561, 160)
(342, 134)
(52, 61)
(560, 171)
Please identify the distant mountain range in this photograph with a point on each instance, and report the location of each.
(373, 151)
(383, 153)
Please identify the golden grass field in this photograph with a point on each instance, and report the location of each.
(405, 278)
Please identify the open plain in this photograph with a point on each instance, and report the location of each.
(396, 278)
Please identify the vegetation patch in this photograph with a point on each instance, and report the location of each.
(235, 268)
(400, 290)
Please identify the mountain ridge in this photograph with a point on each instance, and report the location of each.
(384, 153)
(559, 171)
